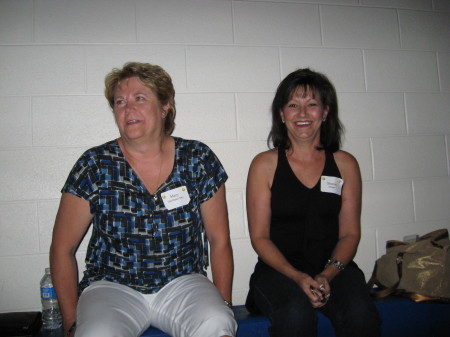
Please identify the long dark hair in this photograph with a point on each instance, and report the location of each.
(330, 130)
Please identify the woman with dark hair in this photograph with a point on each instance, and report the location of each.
(303, 208)
(155, 203)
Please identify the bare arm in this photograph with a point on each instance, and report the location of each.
(350, 214)
(72, 220)
(259, 213)
(215, 218)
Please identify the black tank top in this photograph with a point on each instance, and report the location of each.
(305, 222)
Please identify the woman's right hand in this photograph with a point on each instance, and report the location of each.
(69, 330)
(312, 289)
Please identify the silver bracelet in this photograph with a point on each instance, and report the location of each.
(228, 303)
(338, 264)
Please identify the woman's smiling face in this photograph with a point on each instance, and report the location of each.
(303, 115)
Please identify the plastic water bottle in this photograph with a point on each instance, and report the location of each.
(51, 315)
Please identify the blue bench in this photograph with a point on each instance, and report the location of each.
(401, 317)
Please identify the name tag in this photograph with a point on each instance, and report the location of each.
(331, 185)
(175, 198)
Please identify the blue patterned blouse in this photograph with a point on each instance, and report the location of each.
(136, 240)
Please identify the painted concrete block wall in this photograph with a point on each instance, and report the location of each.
(389, 60)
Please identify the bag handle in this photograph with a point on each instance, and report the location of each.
(387, 290)
(435, 235)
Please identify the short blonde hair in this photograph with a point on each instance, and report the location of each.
(153, 77)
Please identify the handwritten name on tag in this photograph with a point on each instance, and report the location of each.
(176, 198)
(331, 184)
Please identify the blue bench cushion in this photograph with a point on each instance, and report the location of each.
(401, 317)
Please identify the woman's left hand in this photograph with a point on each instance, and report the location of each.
(323, 292)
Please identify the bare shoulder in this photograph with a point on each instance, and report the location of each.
(263, 166)
(265, 160)
(347, 163)
(344, 157)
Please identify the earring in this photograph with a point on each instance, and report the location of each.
(324, 119)
(282, 121)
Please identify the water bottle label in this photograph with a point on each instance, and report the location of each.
(48, 293)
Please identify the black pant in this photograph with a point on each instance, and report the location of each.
(350, 307)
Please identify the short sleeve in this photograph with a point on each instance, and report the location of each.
(81, 181)
(213, 174)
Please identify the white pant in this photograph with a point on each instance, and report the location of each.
(189, 306)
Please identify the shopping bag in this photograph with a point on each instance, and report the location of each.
(419, 270)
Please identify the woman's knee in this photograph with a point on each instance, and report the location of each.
(104, 329)
(216, 323)
(106, 309)
(360, 320)
(293, 319)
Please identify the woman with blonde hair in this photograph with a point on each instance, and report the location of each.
(155, 202)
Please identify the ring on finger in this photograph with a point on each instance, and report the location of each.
(325, 298)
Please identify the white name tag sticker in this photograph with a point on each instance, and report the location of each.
(331, 184)
(176, 198)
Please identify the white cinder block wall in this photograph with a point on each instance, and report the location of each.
(389, 60)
